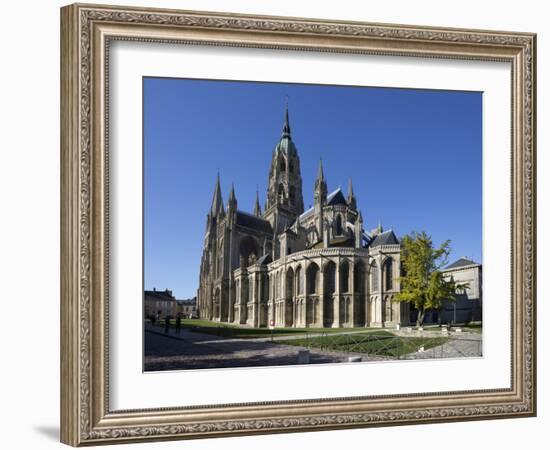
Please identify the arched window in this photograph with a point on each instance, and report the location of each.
(299, 284)
(290, 283)
(283, 166)
(291, 167)
(330, 277)
(292, 195)
(312, 276)
(281, 193)
(388, 273)
(344, 276)
(374, 277)
(338, 225)
(359, 277)
(248, 246)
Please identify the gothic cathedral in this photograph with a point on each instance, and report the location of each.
(287, 267)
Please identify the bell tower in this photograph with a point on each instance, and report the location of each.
(284, 202)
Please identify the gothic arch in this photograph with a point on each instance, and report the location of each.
(281, 193)
(339, 228)
(292, 195)
(299, 281)
(329, 278)
(312, 278)
(344, 276)
(289, 283)
(359, 277)
(387, 270)
(374, 277)
(247, 247)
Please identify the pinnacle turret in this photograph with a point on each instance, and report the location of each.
(352, 202)
(217, 200)
(232, 202)
(257, 208)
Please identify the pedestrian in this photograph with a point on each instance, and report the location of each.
(178, 324)
(166, 324)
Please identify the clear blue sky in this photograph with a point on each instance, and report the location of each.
(415, 157)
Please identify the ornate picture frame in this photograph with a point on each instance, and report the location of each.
(86, 34)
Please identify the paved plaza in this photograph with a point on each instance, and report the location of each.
(192, 350)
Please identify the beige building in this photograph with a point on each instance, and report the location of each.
(187, 308)
(159, 304)
(294, 268)
(468, 305)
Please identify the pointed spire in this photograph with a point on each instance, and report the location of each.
(380, 229)
(350, 188)
(257, 208)
(320, 174)
(320, 193)
(351, 196)
(232, 202)
(286, 126)
(217, 200)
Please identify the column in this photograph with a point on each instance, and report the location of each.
(260, 302)
(320, 319)
(351, 289)
(336, 302)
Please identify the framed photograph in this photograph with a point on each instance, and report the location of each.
(278, 224)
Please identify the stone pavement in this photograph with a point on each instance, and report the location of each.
(460, 345)
(191, 350)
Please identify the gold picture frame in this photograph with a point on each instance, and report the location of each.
(86, 32)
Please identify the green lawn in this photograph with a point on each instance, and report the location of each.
(237, 332)
(380, 343)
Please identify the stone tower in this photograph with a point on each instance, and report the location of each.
(284, 202)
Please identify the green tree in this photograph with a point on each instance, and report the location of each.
(422, 282)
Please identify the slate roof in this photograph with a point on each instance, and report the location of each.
(159, 295)
(253, 222)
(385, 238)
(306, 213)
(462, 262)
(286, 145)
(336, 198)
(331, 200)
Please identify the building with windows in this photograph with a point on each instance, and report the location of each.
(187, 308)
(159, 303)
(290, 267)
(467, 306)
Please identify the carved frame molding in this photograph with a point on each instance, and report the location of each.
(86, 31)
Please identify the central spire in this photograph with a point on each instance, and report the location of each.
(284, 189)
(286, 126)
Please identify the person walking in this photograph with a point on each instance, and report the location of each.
(166, 324)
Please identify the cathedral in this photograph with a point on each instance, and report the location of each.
(286, 267)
